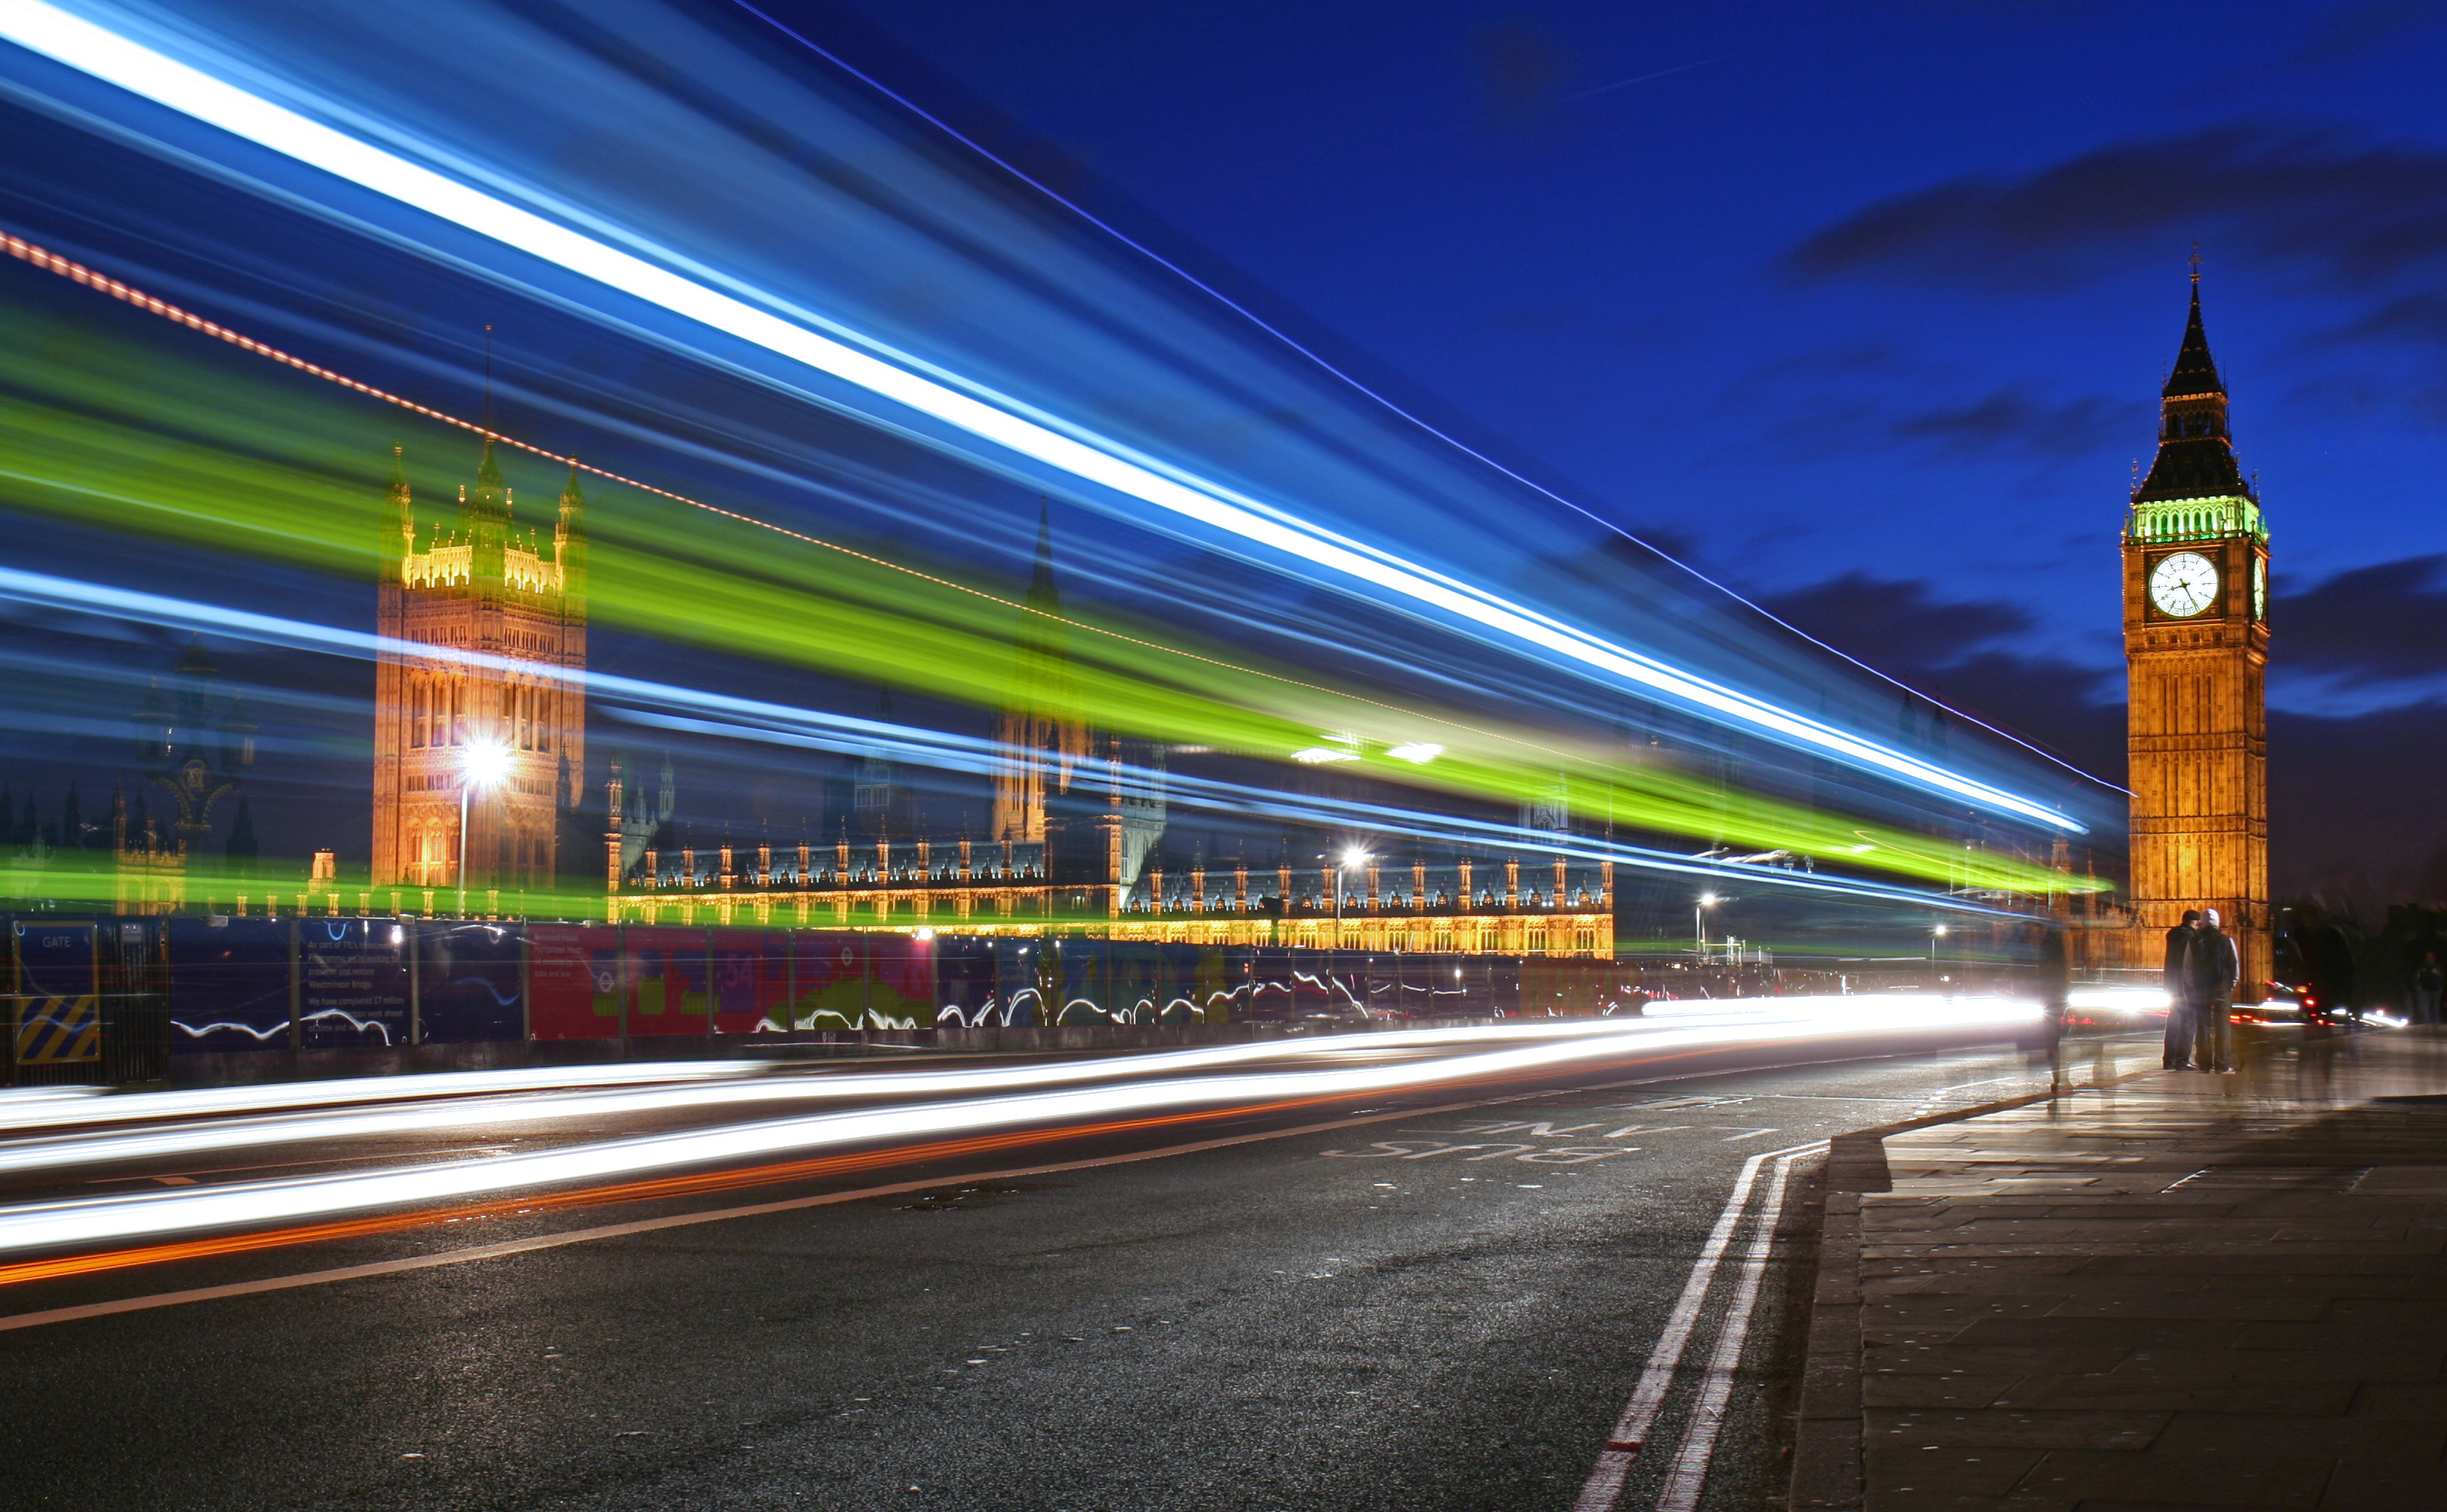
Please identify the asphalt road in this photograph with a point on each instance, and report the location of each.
(1435, 1299)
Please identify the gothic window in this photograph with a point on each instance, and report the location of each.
(416, 712)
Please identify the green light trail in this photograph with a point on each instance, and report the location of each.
(132, 438)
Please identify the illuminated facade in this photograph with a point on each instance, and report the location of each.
(1456, 905)
(506, 627)
(1077, 817)
(2197, 651)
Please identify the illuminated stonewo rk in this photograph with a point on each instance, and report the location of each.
(2196, 649)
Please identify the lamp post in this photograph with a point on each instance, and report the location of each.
(1699, 928)
(1350, 860)
(486, 763)
(1936, 933)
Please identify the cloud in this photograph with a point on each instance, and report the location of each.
(1958, 652)
(2385, 623)
(2351, 31)
(2014, 420)
(1868, 397)
(2344, 214)
(1898, 627)
(2338, 803)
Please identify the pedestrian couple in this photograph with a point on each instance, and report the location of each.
(2201, 971)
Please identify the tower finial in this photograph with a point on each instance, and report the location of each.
(2196, 269)
(488, 382)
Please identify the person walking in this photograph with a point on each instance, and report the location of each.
(2054, 980)
(2214, 967)
(2427, 981)
(2178, 1054)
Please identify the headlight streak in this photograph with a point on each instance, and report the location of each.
(99, 1108)
(115, 1219)
(518, 1102)
(755, 718)
(96, 50)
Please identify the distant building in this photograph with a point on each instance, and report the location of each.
(1078, 819)
(484, 632)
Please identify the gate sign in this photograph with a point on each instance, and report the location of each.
(59, 1018)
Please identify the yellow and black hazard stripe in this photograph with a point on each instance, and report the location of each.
(54, 1030)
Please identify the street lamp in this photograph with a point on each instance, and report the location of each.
(1352, 857)
(482, 763)
(1699, 926)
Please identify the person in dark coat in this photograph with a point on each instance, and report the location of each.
(2054, 980)
(2179, 1012)
(2427, 981)
(2213, 966)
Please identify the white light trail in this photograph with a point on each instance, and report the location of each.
(121, 1218)
(105, 54)
(221, 1101)
(527, 1096)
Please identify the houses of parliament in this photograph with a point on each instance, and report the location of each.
(480, 716)
(480, 710)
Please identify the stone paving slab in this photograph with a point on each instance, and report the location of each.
(2178, 1291)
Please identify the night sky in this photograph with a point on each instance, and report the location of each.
(1861, 310)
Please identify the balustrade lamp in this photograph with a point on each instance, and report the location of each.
(484, 763)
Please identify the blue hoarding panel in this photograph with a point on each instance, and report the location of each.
(966, 982)
(353, 981)
(229, 984)
(467, 983)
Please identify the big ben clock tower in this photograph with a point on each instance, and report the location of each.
(2196, 649)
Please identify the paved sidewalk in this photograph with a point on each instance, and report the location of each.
(2180, 1291)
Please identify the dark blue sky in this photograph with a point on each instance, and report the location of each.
(1865, 308)
(1862, 311)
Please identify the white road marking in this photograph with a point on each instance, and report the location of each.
(1689, 1471)
(1603, 1488)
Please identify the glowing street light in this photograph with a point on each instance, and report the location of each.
(1351, 859)
(482, 764)
(1699, 925)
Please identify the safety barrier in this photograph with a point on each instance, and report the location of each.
(111, 999)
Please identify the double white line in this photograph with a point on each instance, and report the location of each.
(1684, 1477)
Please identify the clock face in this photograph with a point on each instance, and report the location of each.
(2184, 584)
